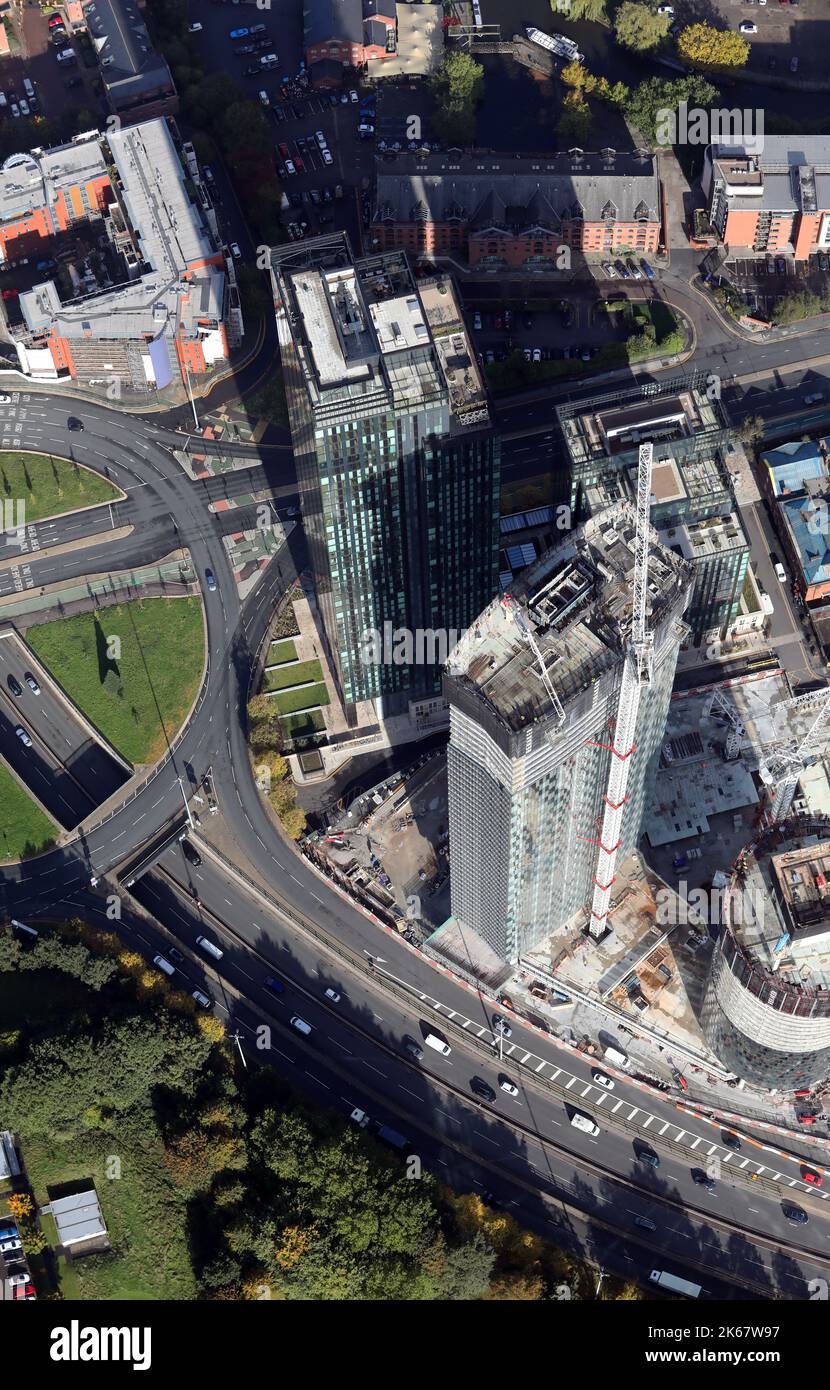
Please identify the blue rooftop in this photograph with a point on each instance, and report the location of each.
(811, 541)
(791, 466)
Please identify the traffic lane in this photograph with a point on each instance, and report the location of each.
(39, 769)
(98, 773)
(306, 970)
(522, 1157)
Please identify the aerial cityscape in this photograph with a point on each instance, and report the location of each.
(414, 654)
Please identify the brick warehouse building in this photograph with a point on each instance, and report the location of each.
(776, 200)
(133, 286)
(514, 212)
(339, 34)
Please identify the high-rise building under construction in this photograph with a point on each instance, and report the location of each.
(535, 688)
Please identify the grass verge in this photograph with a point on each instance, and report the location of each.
(24, 828)
(50, 486)
(139, 696)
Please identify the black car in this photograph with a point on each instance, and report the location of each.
(729, 1139)
(795, 1214)
(14, 685)
(703, 1180)
(75, 425)
(481, 1088)
(191, 854)
(647, 1155)
(173, 953)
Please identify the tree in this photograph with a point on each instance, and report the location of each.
(639, 27)
(703, 46)
(575, 120)
(456, 89)
(580, 9)
(294, 822)
(751, 431)
(651, 106)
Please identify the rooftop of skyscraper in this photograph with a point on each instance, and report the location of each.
(779, 911)
(367, 325)
(576, 606)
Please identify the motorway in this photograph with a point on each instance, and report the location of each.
(523, 1150)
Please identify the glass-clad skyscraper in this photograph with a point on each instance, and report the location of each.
(533, 688)
(397, 462)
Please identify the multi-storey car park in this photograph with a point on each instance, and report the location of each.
(534, 689)
(397, 461)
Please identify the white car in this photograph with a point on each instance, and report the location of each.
(23, 736)
(15, 109)
(506, 1085)
(194, 28)
(352, 95)
(327, 157)
(747, 27)
(332, 995)
(235, 251)
(666, 9)
(610, 271)
(5, 400)
(321, 139)
(289, 167)
(24, 106)
(602, 1080)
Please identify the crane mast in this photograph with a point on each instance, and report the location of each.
(637, 673)
(782, 771)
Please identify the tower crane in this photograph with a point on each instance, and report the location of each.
(735, 737)
(636, 674)
(781, 771)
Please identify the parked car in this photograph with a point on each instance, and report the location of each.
(747, 27)
(239, 33)
(194, 28)
(500, 1025)
(327, 156)
(290, 167)
(610, 270)
(235, 251)
(647, 270)
(477, 320)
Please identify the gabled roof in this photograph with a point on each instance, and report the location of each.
(332, 19)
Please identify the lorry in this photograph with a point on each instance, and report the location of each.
(391, 1137)
(672, 1284)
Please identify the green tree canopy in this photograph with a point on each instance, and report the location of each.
(456, 90)
(639, 26)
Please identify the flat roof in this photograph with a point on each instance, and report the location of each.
(78, 1217)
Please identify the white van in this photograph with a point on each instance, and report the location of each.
(27, 87)
(210, 946)
(584, 1123)
(31, 933)
(433, 1040)
(301, 1025)
(616, 1058)
(164, 965)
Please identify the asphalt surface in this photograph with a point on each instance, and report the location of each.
(525, 1148)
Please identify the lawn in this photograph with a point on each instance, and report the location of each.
(296, 700)
(292, 675)
(301, 725)
(151, 678)
(283, 650)
(24, 828)
(50, 486)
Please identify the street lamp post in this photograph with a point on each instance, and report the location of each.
(186, 807)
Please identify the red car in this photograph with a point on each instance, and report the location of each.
(56, 22)
(809, 1176)
(283, 149)
(10, 294)
(24, 1291)
(499, 323)
(298, 165)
